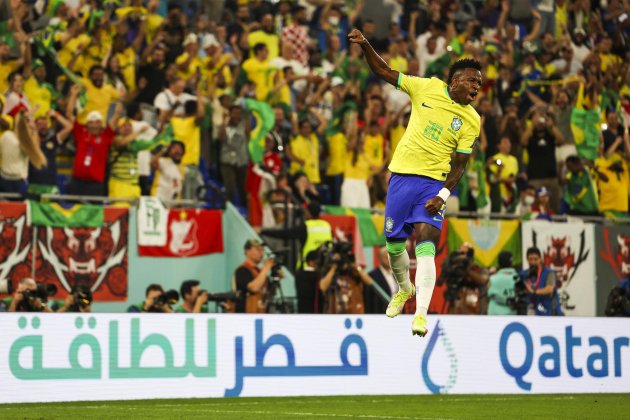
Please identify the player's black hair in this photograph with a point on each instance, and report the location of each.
(466, 63)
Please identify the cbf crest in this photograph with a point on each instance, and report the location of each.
(389, 224)
(457, 123)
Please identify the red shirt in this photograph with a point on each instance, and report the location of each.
(92, 153)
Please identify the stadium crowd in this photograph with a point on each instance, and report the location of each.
(115, 98)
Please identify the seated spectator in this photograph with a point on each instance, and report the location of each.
(169, 173)
(580, 194)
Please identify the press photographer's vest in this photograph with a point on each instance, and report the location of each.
(318, 232)
(255, 301)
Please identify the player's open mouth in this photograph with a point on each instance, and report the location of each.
(472, 95)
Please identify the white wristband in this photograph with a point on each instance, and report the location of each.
(444, 194)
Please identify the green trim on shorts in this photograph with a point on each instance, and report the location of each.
(425, 249)
(396, 248)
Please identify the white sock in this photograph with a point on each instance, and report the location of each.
(400, 269)
(425, 282)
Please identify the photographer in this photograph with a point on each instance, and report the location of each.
(193, 299)
(79, 300)
(343, 282)
(618, 303)
(465, 281)
(540, 284)
(309, 295)
(31, 296)
(156, 300)
(250, 281)
(501, 287)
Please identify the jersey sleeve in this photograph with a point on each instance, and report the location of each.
(468, 138)
(411, 85)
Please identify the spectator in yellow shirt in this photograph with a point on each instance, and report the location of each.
(127, 59)
(259, 71)
(503, 168)
(304, 148)
(189, 64)
(38, 92)
(374, 147)
(7, 64)
(100, 96)
(265, 35)
(355, 192)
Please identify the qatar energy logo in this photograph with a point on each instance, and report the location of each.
(439, 338)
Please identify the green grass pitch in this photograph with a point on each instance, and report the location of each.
(578, 406)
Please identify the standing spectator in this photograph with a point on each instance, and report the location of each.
(501, 290)
(142, 131)
(540, 139)
(304, 148)
(614, 133)
(613, 184)
(187, 130)
(100, 95)
(17, 148)
(44, 180)
(234, 137)
(15, 99)
(562, 110)
(152, 72)
(296, 35)
(541, 208)
(7, 64)
(40, 94)
(127, 58)
(510, 126)
(169, 173)
(266, 36)
(503, 168)
(259, 71)
(358, 170)
(171, 100)
(92, 149)
(490, 126)
(189, 64)
(580, 194)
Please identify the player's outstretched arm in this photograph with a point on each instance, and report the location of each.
(458, 167)
(376, 63)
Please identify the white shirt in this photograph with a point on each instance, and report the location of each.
(144, 156)
(169, 179)
(14, 162)
(165, 100)
(424, 57)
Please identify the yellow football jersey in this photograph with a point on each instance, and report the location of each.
(438, 125)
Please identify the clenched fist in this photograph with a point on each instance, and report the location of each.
(434, 205)
(357, 37)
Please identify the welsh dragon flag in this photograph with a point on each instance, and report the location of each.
(488, 237)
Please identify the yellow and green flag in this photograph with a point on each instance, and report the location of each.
(370, 225)
(54, 215)
(488, 237)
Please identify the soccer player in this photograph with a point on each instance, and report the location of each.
(423, 173)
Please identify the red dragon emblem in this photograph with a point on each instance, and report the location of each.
(623, 254)
(559, 257)
(94, 257)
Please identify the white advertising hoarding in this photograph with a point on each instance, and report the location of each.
(55, 357)
(569, 249)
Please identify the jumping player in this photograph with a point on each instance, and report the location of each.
(423, 172)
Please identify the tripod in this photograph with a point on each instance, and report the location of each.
(275, 300)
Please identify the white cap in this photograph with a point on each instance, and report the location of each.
(336, 81)
(209, 41)
(94, 116)
(190, 39)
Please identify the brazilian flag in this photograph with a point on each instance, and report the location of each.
(54, 215)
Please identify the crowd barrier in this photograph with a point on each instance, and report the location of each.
(70, 357)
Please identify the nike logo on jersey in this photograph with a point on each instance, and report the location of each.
(426, 106)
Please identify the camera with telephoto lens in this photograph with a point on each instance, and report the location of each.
(170, 297)
(455, 272)
(340, 253)
(519, 301)
(41, 293)
(82, 297)
(220, 297)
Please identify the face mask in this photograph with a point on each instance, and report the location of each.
(529, 200)
(333, 20)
